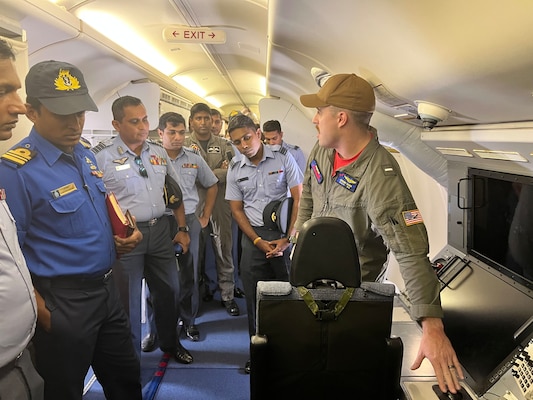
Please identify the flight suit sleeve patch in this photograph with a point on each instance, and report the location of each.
(412, 217)
(316, 171)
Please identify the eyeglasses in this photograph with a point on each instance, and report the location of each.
(142, 169)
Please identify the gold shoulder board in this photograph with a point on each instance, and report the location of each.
(19, 156)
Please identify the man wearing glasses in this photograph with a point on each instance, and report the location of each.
(135, 171)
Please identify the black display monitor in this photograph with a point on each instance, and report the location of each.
(487, 317)
(500, 222)
(487, 296)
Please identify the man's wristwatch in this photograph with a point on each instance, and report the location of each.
(183, 228)
(292, 239)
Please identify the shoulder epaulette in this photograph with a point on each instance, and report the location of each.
(232, 163)
(102, 145)
(156, 142)
(19, 155)
(281, 149)
(85, 143)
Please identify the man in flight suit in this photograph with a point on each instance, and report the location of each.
(354, 178)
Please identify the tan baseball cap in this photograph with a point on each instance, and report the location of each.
(347, 91)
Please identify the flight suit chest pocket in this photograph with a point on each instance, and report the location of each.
(68, 214)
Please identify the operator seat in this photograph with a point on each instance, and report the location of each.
(324, 334)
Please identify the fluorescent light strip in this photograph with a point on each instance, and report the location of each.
(120, 33)
(453, 151)
(501, 155)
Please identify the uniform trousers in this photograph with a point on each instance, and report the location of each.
(20, 381)
(219, 231)
(89, 327)
(154, 259)
(189, 278)
(256, 267)
(189, 274)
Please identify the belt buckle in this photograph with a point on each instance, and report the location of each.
(152, 222)
(107, 275)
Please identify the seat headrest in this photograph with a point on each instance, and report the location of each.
(325, 250)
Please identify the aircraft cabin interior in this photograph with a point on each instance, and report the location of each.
(454, 104)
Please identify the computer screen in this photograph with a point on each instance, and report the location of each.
(500, 222)
(486, 317)
(487, 296)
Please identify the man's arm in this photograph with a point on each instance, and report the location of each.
(43, 314)
(436, 347)
(209, 204)
(181, 237)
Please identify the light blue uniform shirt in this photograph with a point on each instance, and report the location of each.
(143, 197)
(258, 185)
(192, 169)
(298, 155)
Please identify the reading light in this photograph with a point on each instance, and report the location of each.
(431, 114)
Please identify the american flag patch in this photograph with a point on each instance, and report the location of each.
(412, 217)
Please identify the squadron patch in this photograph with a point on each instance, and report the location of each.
(346, 181)
(316, 171)
(195, 147)
(19, 156)
(412, 217)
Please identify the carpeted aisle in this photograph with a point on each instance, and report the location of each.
(218, 368)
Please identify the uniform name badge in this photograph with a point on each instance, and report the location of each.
(346, 181)
(316, 171)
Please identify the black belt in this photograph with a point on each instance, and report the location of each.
(6, 369)
(74, 281)
(151, 222)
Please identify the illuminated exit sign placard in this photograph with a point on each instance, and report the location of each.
(180, 34)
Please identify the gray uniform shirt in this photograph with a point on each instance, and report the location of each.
(142, 196)
(371, 195)
(18, 310)
(258, 185)
(192, 169)
(298, 155)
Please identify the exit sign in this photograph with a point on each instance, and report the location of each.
(175, 34)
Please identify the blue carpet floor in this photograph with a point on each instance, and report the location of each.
(219, 357)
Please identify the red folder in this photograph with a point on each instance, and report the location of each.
(121, 223)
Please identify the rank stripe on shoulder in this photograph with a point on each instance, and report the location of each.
(19, 156)
(102, 145)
